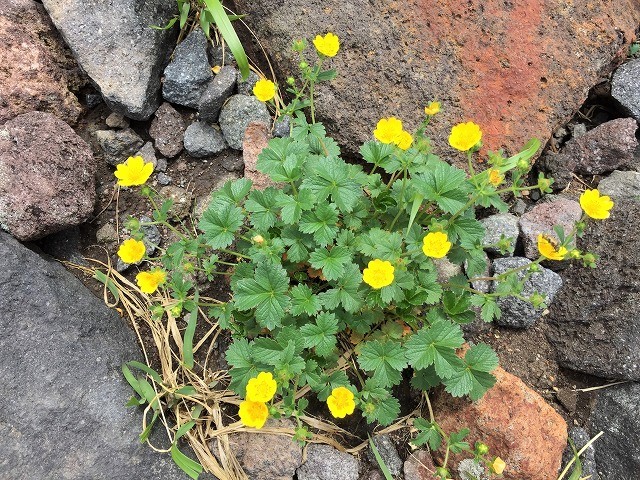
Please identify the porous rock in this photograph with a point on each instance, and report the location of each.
(514, 421)
(237, 114)
(326, 463)
(118, 145)
(181, 198)
(148, 153)
(543, 217)
(419, 466)
(202, 140)
(167, 129)
(77, 425)
(114, 44)
(594, 324)
(580, 438)
(625, 87)
(245, 87)
(518, 69)
(216, 93)
(117, 120)
(189, 73)
(256, 138)
(496, 226)
(518, 313)
(388, 453)
(616, 414)
(37, 70)
(46, 180)
(621, 185)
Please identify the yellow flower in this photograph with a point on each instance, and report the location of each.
(388, 130)
(548, 248)
(341, 402)
(498, 465)
(432, 108)
(133, 172)
(261, 388)
(264, 90)
(327, 45)
(149, 281)
(404, 140)
(495, 177)
(436, 244)
(594, 205)
(131, 251)
(253, 414)
(465, 136)
(378, 274)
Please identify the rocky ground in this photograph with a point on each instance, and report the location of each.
(518, 71)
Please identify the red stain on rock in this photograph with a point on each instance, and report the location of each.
(256, 138)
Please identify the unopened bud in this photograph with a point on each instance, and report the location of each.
(303, 65)
(258, 239)
(482, 448)
(291, 81)
(132, 224)
(523, 164)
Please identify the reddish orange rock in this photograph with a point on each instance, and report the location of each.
(256, 138)
(517, 68)
(514, 421)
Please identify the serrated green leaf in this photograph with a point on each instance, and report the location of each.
(481, 357)
(266, 292)
(345, 291)
(425, 378)
(444, 184)
(378, 243)
(376, 152)
(466, 230)
(303, 300)
(330, 178)
(322, 335)
(435, 345)
(428, 433)
(294, 205)
(385, 359)
(262, 205)
(331, 262)
(219, 224)
(321, 222)
(232, 192)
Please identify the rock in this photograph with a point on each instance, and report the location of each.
(469, 469)
(233, 163)
(519, 207)
(616, 414)
(625, 87)
(203, 202)
(163, 179)
(256, 138)
(114, 45)
(237, 114)
(118, 145)
(149, 154)
(497, 225)
(543, 217)
(518, 69)
(326, 463)
(117, 120)
(578, 130)
(64, 245)
(189, 73)
(374, 475)
(202, 140)
(388, 453)
(46, 180)
(37, 69)
(446, 269)
(245, 87)
(152, 237)
(77, 421)
(419, 466)
(265, 456)
(482, 285)
(593, 324)
(282, 127)
(607, 147)
(517, 313)
(621, 185)
(216, 93)
(580, 438)
(161, 165)
(92, 100)
(107, 234)
(182, 200)
(167, 129)
(514, 421)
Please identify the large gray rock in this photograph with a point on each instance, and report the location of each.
(326, 463)
(495, 226)
(118, 145)
(202, 140)
(621, 185)
(63, 395)
(580, 438)
(594, 324)
(388, 453)
(37, 70)
(625, 87)
(237, 114)
(616, 414)
(519, 313)
(217, 91)
(189, 73)
(114, 44)
(47, 175)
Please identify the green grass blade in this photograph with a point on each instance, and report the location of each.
(152, 373)
(229, 34)
(187, 348)
(381, 464)
(101, 277)
(188, 466)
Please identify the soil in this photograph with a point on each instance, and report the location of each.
(525, 353)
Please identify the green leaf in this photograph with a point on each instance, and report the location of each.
(283, 159)
(466, 230)
(444, 184)
(266, 292)
(435, 345)
(223, 24)
(378, 243)
(428, 433)
(381, 464)
(474, 378)
(332, 262)
(232, 192)
(303, 300)
(220, 224)
(481, 357)
(489, 307)
(385, 359)
(377, 403)
(262, 205)
(345, 291)
(298, 244)
(293, 206)
(184, 14)
(192, 468)
(326, 75)
(187, 350)
(331, 178)
(321, 222)
(455, 441)
(322, 335)
(376, 152)
(109, 283)
(426, 378)
(244, 367)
